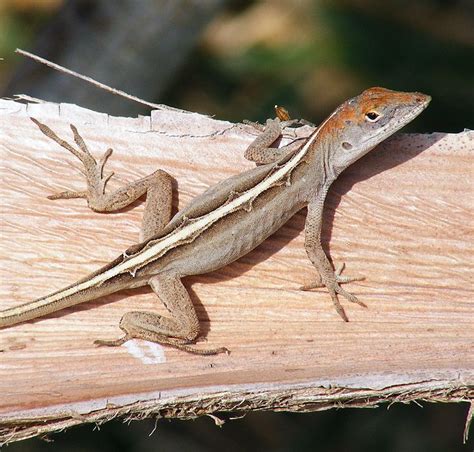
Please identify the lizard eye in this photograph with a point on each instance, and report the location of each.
(372, 116)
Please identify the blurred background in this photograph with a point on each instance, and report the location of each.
(235, 60)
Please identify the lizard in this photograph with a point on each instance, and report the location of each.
(228, 220)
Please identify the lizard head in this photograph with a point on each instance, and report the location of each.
(361, 123)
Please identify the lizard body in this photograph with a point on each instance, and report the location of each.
(228, 220)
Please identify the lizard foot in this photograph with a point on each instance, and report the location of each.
(335, 289)
(93, 170)
(175, 343)
(341, 279)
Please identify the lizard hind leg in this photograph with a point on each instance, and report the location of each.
(157, 186)
(177, 331)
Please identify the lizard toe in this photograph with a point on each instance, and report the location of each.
(337, 305)
(68, 195)
(341, 279)
(348, 296)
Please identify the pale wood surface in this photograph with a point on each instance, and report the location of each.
(402, 216)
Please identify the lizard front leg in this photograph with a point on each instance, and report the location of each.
(260, 152)
(179, 330)
(327, 276)
(157, 186)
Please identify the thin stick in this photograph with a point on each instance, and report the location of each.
(90, 80)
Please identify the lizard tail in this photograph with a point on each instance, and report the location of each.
(64, 298)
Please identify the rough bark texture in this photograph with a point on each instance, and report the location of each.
(402, 216)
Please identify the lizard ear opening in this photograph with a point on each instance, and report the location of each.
(346, 145)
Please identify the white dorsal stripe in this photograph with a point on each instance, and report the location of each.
(186, 232)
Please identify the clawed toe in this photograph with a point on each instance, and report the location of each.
(333, 284)
(339, 279)
(348, 296)
(177, 343)
(345, 279)
(310, 286)
(92, 170)
(113, 342)
(68, 195)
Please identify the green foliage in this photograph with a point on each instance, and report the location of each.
(347, 51)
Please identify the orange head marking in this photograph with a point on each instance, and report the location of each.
(362, 122)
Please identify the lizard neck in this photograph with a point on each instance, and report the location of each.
(319, 166)
(320, 156)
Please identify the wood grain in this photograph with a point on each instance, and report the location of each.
(402, 216)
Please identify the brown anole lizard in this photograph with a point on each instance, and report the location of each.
(228, 220)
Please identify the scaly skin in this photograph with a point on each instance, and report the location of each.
(228, 220)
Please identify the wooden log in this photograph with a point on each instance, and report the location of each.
(401, 216)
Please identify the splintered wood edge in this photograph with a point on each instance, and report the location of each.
(185, 404)
(307, 397)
